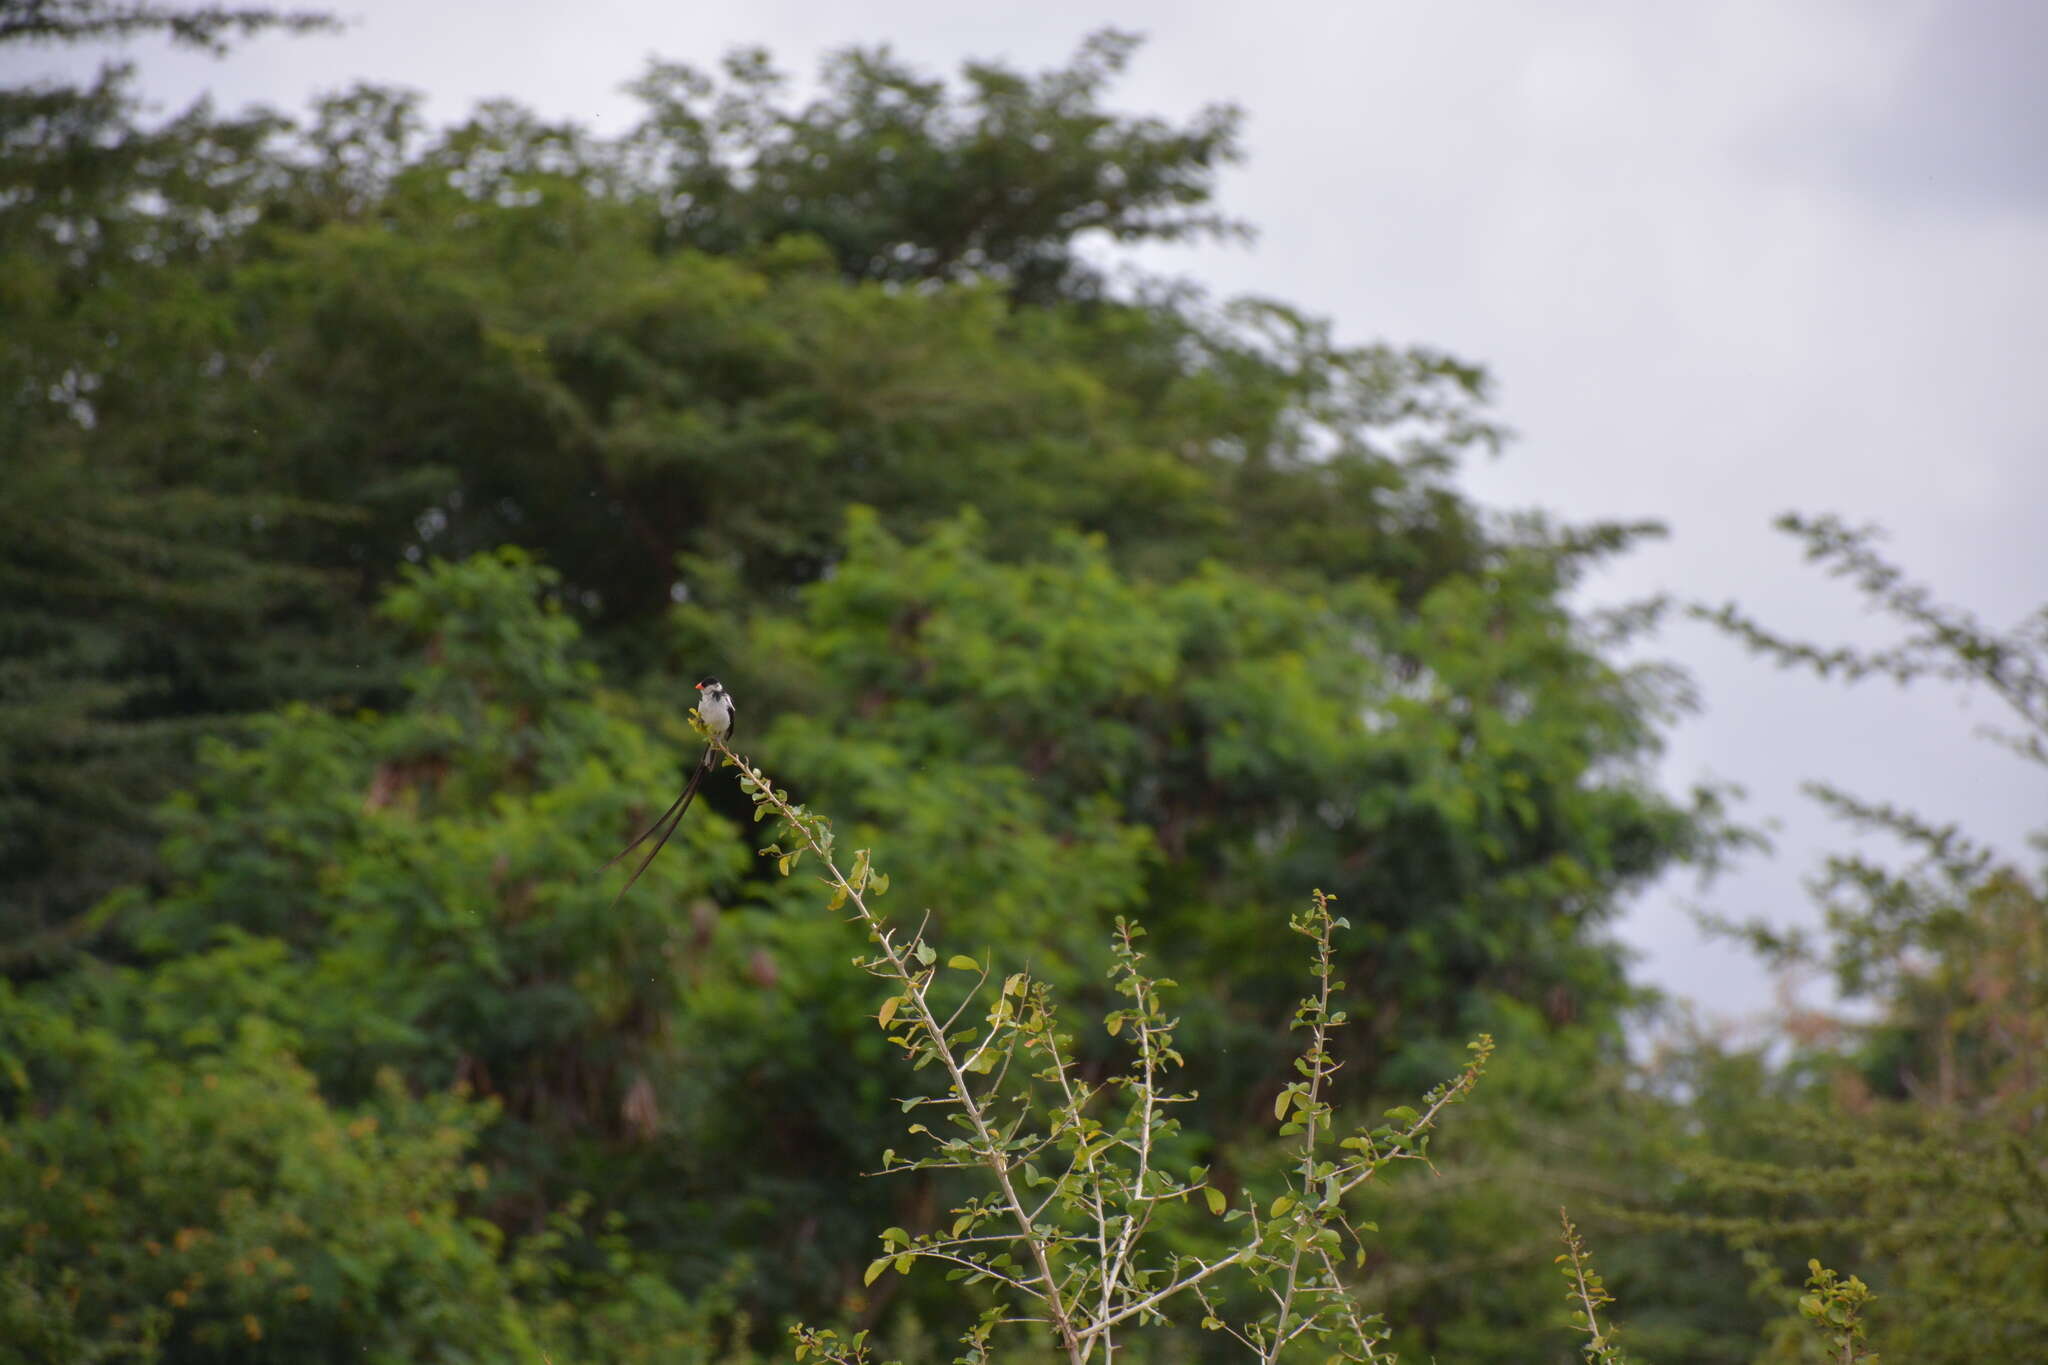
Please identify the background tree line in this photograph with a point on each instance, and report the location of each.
(1080, 597)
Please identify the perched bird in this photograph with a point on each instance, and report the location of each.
(715, 709)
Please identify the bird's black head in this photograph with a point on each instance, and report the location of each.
(709, 685)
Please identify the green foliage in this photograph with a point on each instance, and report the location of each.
(203, 27)
(1243, 725)
(1587, 1295)
(177, 1196)
(409, 892)
(380, 998)
(1835, 1308)
(225, 1202)
(902, 180)
(1051, 743)
(149, 589)
(1910, 1140)
(1066, 1249)
(253, 365)
(427, 870)
(1094, 601)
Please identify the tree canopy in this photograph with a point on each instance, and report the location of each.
(254, 364)
(373, 493)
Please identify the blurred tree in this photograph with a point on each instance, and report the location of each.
(1161, 606)
(203, 26)
(1916, 1141)
(905, 181)
(250, 366)
(150, 589)
(379, 997)
(410, 891)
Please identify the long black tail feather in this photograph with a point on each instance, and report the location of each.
(671, 817)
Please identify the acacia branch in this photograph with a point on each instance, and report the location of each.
(935, 1036)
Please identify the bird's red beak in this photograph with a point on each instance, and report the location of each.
(698, 686)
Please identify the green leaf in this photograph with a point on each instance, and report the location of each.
(961, 962)
(1217, 1203)
(889, 1008)
(927, 954)
(875, 1269)
(1281, 1205)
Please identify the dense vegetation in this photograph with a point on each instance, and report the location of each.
(319, 1040)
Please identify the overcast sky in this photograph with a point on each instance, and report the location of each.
(1724, 260)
